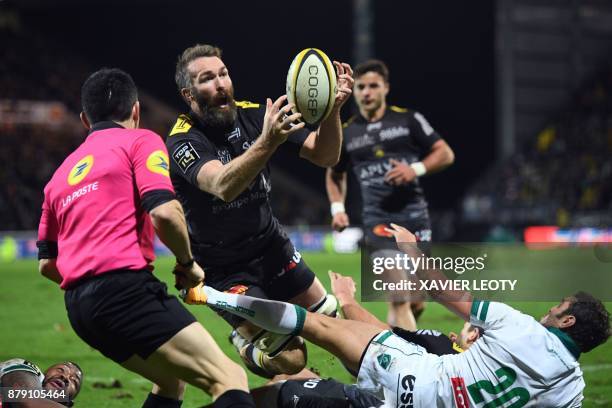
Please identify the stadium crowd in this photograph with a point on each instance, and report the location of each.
(30, 152)
(566, 168)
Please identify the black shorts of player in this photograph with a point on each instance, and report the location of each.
(323, 393)
(122, 313)
(279, 273)
(376, 238)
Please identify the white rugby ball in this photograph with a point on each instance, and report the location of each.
(311, 86)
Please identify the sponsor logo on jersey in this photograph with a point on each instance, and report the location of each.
(374, 126)
(379, 230)
(378, 151)
(80, 170)
(234, 134)
(185, 156)
(406, 398)
(460, 392)
(293, 263)
(224, 156)
(427, 129)
(238, 289)
(360, 141)
(158, 163)
(393, 133)
(384, 360)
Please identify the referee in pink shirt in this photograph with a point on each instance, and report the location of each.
(95, 239)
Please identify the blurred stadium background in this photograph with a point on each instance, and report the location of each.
(520, 89)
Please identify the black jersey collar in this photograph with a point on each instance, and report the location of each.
(106, 124)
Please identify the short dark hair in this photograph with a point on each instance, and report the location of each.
(480, 330)
(372, 65)
(108, 94)
(181, 75)
(592, 326)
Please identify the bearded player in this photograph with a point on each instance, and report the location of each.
(219, 167)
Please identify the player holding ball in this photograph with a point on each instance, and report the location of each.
(219, 166)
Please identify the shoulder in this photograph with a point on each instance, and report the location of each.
(19, 365)
(400, 113)
(183, 130)
(251, 110)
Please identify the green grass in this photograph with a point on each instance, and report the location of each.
(35, 327)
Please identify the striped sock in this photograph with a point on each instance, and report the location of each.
(277, 317)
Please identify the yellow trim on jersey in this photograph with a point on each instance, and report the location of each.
(246, 104)
(348, 122)
(398, 109)
(457, 348)
(182, 125)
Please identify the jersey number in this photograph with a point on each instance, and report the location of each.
(518, 394)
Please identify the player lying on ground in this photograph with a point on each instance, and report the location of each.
(307, 389)
(517, 362)
(219, 152)
(62, 378)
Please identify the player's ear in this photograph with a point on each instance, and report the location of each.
(85, 121)
(136, 113)
(186, 94)
(567, 320)
(387, 88)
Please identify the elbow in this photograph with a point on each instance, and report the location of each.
(165, 213)
(325, 161)
(227, 196)
(450, 157)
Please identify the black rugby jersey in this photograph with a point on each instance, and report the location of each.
(367, 147)
(223, 232)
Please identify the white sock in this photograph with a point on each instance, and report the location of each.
(277, 317)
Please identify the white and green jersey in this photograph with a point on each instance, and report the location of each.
(19, 364)
(516, 363)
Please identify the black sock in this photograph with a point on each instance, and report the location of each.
(234, 399)
(157, 401)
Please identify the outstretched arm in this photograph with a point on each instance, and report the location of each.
(228, 181)
(457, 301)
(343, 287)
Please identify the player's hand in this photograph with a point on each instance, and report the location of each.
(343, 287)
(401, 173)
(340, 221)
(345, 84)
(188, 277)
(404, 238)
(278, 122)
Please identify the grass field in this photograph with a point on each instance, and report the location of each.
(35, 327)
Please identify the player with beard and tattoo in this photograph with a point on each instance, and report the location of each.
(219, 167)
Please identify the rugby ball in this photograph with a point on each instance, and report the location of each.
(311, 86)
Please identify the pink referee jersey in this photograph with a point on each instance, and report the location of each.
(92, 206)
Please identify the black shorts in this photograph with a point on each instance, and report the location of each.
(122, 313)
(279, 273)
(376, 238)
(323, 393)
